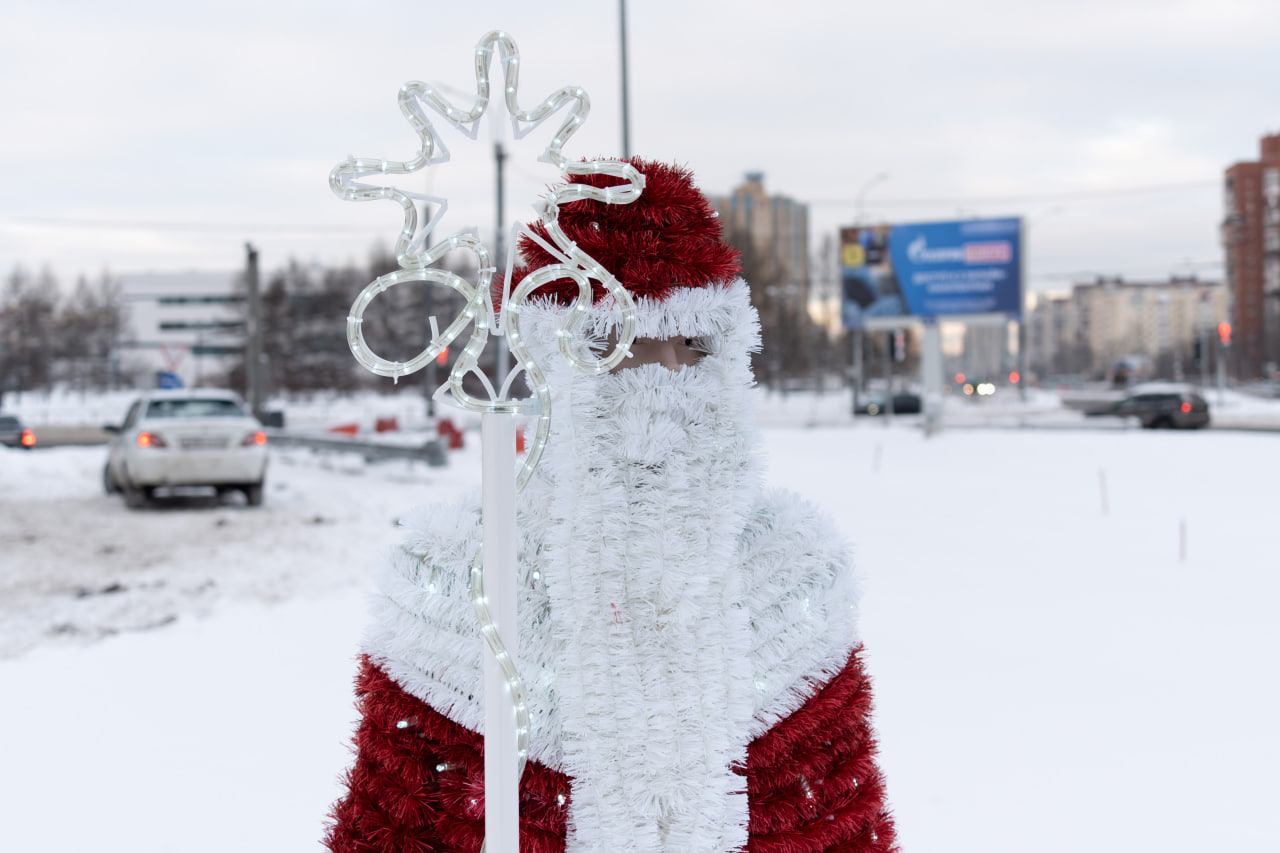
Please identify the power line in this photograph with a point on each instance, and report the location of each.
(1024, 199)
(1113, 272)
(278, 228)
(142, 225)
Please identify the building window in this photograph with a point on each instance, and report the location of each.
(202, 326)
(200, 300)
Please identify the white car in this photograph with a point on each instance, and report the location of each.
(186, 438)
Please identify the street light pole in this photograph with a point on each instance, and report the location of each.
(879, 178)
(502, 357)
(626, 101)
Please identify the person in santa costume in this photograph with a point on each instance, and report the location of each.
(687, 637)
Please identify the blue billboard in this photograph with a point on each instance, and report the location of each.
(934, 269)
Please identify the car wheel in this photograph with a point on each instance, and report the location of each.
(253, 494)
(1165, 422)
(135, 497)
(109, 484)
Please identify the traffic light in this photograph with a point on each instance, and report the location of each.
(899, 347)
(1224, 333)
(443, 358)
(1014, 377)
(1198, 352)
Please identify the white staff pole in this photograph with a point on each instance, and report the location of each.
(501, 762)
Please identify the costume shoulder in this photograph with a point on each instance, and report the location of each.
(802, 597)
(424, 632)
(420, 633)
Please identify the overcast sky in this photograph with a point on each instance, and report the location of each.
(1106, 123)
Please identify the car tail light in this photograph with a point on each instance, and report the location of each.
(1186, 407)
(150, 439)
(254, 438)
(28, 438)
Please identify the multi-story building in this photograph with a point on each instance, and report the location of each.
(986, 356)
(1054, 347)
(1251, 243)
(1161, 325)
(190, 325)
(772, 233)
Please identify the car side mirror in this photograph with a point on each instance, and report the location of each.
(111, 428)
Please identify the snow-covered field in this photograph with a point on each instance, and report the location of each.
(1073, 634)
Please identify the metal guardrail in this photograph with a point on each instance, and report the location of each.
(432, 451)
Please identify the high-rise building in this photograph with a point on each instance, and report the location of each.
(1251, 243)
(772, 233)
(775, 227)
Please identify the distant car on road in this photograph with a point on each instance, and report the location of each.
(877, 404)
(1161, 407)
(14, 434)
(186, 438)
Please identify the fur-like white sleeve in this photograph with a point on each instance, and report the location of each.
(802, 596)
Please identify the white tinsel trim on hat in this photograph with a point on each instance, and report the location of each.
(720, 315)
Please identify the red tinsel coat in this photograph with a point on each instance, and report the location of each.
(418, 782)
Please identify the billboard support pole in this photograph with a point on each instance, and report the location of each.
(931, 368)
(1023, 360)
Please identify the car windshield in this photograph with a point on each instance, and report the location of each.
(194, 408)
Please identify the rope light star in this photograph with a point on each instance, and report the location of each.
(418, 101)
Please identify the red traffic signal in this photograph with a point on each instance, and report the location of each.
(443, 358)
(1014, 377)
(1224, 334)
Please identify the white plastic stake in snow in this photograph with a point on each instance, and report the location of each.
(501, 764)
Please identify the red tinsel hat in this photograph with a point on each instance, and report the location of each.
(668, 239)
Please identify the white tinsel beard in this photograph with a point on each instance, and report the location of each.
(650, 472)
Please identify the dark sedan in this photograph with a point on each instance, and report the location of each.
(877, 404)
(1162, 408)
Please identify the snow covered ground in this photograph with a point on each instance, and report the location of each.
(1073, 635)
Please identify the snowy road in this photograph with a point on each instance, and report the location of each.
(1072, 635)
(83, 566)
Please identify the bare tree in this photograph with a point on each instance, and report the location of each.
(27, 309)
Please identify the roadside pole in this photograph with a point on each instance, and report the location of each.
(857, 368)
(1222, 372)
(253, 327)
(502, 356)
(888, 377)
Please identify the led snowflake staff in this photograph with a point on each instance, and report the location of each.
(506, 745)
